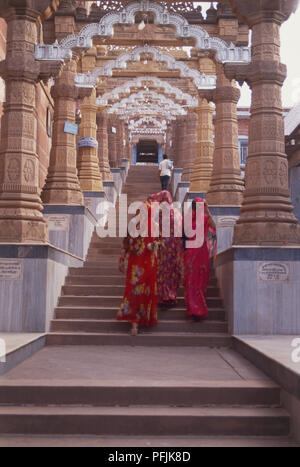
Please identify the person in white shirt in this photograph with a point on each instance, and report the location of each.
(165, 168)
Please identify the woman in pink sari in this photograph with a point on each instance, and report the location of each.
(170, 254)
(197, 265)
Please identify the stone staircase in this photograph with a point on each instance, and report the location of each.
(247, 409)
(86, 313)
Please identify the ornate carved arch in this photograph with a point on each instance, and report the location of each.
(138, 82)
(150, 97)
(158, 124)
(105, 28)
(134, 109)
(201, 80)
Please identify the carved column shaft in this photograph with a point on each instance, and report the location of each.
(203, 163)
(102, 138)
(21, 219)
(119, 143)
(267, 217)
(112, 142)
(88, 164)
(62, 185)
(189, 148)
(226, 186)
(180, 141)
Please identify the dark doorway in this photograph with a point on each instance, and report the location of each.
(147, 151)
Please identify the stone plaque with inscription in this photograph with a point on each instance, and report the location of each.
(58, 222)
(11, 269)
(273, 271)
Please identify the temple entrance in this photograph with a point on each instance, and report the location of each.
(147, 152)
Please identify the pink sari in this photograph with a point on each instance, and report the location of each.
(197, 271)
(170, 255)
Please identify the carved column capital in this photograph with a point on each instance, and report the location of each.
(268, 71)
(207, 94)
(256, 11)
(227, 94)
(42, 8)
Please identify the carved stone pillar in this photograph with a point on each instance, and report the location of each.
(102, 138)
(266, 214)
(21, 219)
(180, 141)
(226, 186)
(190, 144)
(62, 185)
(112, 142)
(203, 163)
(88, 164)
(119, 142)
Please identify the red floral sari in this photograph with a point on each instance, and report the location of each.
(139, 304)
(170, 254)
(197, 271)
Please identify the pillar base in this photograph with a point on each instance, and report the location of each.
(126, 164)
(225, 218)
(260, 291)
(92, 200)
(221, 198)
(117, 178)
(110, 192)
(23, 231)
(70, 228)
(267, 233)
(176, 178)
(194, 194)
(182, 191)
(31, 278)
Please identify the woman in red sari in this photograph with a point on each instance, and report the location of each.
(170, 253)
(139, 305)
(197, 265)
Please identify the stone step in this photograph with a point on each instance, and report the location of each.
(102, 270)
(107, 268)
(99, 290)
(108, 326)
(109, 242)
(213, 340)
(100, 261)
(105, 280)
(139, 421)
(99, 393)
(103, 251)
(77, 300)
(161, 442)
(97, 313)
(96, 280)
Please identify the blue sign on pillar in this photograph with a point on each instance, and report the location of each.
(160, 154)
(134, 155)
(71, 128)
